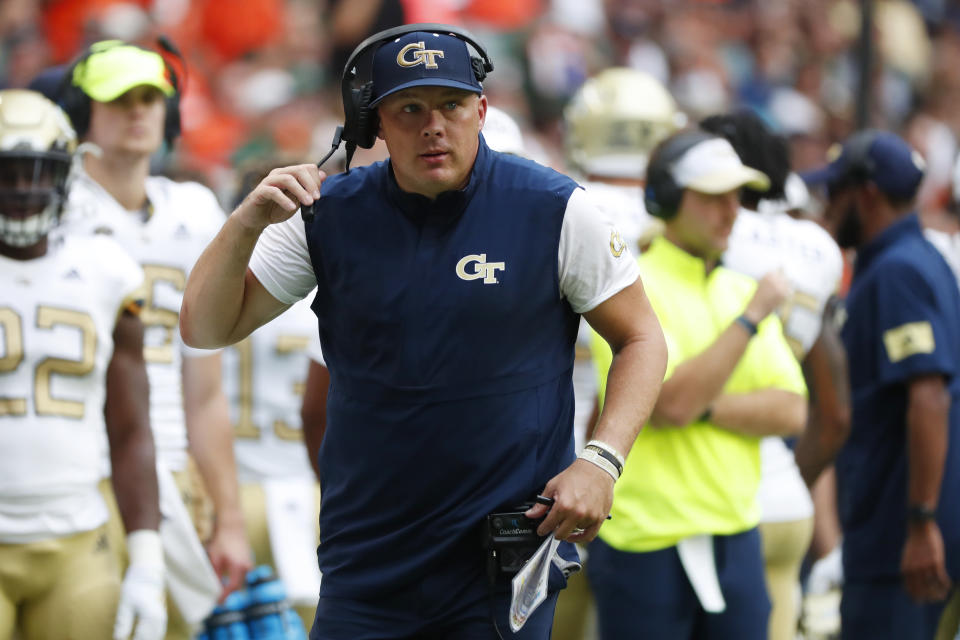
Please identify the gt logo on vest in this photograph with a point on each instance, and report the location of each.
(421, 55)
(481, 268)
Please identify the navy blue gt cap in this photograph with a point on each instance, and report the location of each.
(880, 157)
(422, 59)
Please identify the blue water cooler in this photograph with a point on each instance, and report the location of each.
(228, 620)
(268, 614)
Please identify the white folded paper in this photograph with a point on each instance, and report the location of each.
(530, 584)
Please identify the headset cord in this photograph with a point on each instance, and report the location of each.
(492, 573)
(307, 213)
(493, 612)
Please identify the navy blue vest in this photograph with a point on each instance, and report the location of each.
(450, 353)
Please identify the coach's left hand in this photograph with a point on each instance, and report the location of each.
(583, 495)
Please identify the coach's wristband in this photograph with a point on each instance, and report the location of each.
(609, 453)
(746, 323)
(603, 445)
(591, 455)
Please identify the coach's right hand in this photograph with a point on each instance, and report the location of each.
(279, 195)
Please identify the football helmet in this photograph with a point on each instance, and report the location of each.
(615, 120)
(36, 153)
(502, 133)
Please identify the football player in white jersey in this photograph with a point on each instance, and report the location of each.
(611, 126)
(123, 101)
(766, 239)
(264, 376)
(71, 377)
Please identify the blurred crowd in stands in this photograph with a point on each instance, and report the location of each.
(262, 77)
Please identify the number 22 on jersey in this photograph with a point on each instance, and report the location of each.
(48, 318)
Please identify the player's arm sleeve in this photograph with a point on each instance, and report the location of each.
(135, 297)
(281, 261)
(594, 261)
(913, 331)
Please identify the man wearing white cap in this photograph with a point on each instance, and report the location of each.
(681, 557)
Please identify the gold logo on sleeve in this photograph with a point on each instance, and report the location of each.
(617, 245)
(908, 340)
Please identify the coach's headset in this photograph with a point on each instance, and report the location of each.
(360, 121)
(76, 102)
(662, 194)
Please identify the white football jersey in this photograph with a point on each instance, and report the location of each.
(57, 317)
(813, 264)
(263, 377)
(625, 207)
(809, 258)
(184, 219)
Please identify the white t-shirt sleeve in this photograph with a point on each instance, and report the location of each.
(595, 263)
(281, 261)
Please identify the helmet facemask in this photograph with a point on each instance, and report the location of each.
(33, 188)
(36, 154)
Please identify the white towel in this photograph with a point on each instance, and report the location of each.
(291, 518)
(192, 582)
(696, 556)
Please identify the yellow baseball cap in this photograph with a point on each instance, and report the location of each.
(114, 67)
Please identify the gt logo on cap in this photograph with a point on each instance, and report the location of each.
(421, 55)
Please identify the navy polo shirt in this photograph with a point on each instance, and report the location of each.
(903, 321)
(450, 351)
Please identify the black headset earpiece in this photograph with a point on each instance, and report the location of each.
(72, 99)
(360, 120)
(76, 103)
(173, 125)
(367, 119)
(662, 194)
